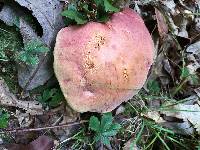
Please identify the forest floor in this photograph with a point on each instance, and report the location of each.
(34, 115)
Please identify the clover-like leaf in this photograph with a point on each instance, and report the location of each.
(112, 130)
(94, 124)
(104, 129)
(106, 121)
(105, 140)
(109, 7)
(75, 15)
(30, 54)
(51, 97)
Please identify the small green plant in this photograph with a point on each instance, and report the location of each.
(81, 12)
(104, 129)
(153, 87)
(11, 45)
(31, 52)
(51, 97)
(4, 118)
(185, 76)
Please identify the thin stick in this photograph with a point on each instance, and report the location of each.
(17, 130)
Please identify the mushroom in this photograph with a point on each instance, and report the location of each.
(99, 66)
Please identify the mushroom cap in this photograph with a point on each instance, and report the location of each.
(99, 66)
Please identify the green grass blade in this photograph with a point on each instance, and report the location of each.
(158, 134)
(174, 140)
(154, 139)
(137, 137)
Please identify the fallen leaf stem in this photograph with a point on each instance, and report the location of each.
(18, 130)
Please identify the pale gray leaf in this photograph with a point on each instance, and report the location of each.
(39, 76)
(8, 15)
(180, 128)
(194, 48)
(189, 113)
(48, 15)
(27, 31)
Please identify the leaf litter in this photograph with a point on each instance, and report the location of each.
(175, 27)
(30, 77)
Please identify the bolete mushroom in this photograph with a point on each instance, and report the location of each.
(99, 66)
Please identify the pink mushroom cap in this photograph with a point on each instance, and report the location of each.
(99, 66)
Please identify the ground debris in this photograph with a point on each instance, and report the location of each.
(41, 143)
(189, 114)
(47, 13)
(9, 99)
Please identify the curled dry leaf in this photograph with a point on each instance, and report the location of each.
(168, 11)
(48, 15)
(159, 66)
(41, 143)
(162, 25)
(184, 127)
(193, 56)
(154, 115)
(189, 113)
(9, 99)
(24, 119)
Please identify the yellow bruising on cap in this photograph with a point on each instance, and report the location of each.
(88, 61)
(99, 41)
(125, 74)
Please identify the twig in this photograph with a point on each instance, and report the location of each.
(18, 130)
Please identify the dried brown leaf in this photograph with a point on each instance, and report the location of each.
(9, 99)
(41, 143)
(162, 25)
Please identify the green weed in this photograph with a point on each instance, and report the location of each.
(31, 52)
(98, 131)
(104, 128)
(4, 118)
(51, 97)
(153, 87)
(81, 12)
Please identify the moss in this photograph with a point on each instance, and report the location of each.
(11, 42)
